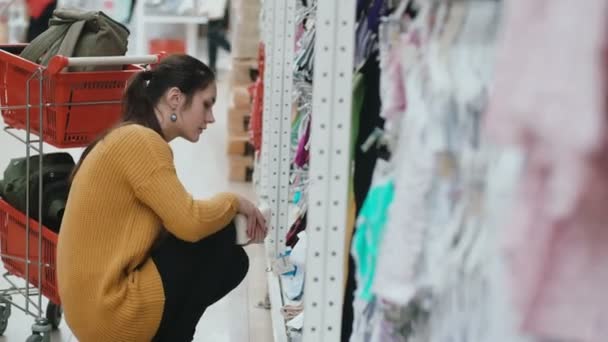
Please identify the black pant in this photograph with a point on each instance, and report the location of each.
(216, 39)
(194, 276)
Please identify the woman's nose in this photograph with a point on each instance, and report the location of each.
(210, 118)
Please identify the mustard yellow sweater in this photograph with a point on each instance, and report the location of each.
(125, 190)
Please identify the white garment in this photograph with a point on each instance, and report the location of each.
(436, 237)
(407, 223)
(214, 9)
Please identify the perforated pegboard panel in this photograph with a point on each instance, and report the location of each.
(330, 165)
(277, 116)
(287, 36)
(268, 26)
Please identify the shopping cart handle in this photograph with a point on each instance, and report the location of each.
(58, 63)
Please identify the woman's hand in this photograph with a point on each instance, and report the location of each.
(256, 223)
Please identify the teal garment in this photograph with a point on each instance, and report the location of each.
(368, 236)
(295, 129)
(297, 196)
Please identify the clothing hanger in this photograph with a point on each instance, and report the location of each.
(304, 13)
(453, 25)
(369, 16)
(393, 25)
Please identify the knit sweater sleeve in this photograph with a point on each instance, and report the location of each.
(150, 171)
(186, 218)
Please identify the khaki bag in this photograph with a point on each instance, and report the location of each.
(78, 33)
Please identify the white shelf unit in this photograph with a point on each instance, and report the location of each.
(14, 12)
(279, 38)
(141, 20)
(174, 19)
(330, 158)
(330, 167)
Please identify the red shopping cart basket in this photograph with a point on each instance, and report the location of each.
(12, 247)
(77, 106)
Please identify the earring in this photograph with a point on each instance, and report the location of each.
(173, 117)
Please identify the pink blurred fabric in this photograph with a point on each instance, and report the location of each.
(549, 98)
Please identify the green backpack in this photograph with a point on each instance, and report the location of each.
(56, 171)
(78, 33)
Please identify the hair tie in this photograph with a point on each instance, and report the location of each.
(147, 75)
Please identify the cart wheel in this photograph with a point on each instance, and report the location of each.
(5, 313)
(41, 331)
(6, 301)
(35, 338)
(54, 314)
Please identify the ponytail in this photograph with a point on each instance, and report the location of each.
(138, 107)
(135, 100)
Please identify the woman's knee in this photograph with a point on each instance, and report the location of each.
(220, 240)
(236, 268)
(233, 271)
(241, 261)
(244, 259)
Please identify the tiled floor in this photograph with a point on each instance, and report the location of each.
(203, 169)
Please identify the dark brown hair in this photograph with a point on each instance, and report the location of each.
(146, 88)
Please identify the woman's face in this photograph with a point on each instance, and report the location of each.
(199, 114)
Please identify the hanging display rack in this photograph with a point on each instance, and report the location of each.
(330, 160)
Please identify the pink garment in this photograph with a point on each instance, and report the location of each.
(549, 75)
(394, 103)
(300, 30)
(560, 264)
(303, 154)
(548, 97)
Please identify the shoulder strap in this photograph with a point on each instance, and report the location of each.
(68, 44)
(41, 44)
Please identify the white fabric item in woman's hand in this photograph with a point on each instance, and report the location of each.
(240, 221)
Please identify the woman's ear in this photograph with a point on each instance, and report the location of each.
(174, 98)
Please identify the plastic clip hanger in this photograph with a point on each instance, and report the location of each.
(376, 137)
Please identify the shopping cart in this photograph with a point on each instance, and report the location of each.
(64, 109)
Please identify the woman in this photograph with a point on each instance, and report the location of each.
(118, 279)
(218, 13)
(40, 12)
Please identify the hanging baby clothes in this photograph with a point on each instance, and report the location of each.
(364, 161)
(302, 154)
(349, 263)
(370, 119)
(442, 274)
(365, 121)
(551, 101)
(457, 263)
(370, 228)
(296, 228)
(407, 217)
